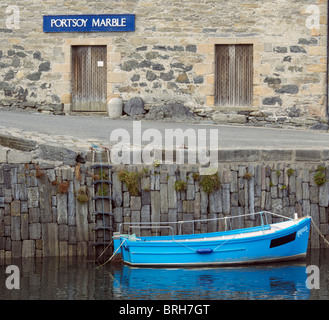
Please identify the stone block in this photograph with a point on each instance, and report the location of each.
(203, 68)
(324, 217)
(33, 197)
(63, 232)
(308, 155)
(136, 217)
(16, 249)
(17, 143)
(234, 181)
(15, 208)
(172, 196)
(15, 228)
(16, 157)
(81, 221)
(325, 155)
(316, 68)
(188, 227)
(63, 249)
(155, 206)
(118, 214)
(50, 243)
(72, 235)
(324, 228)
(35, 231)
(299, 190)
(146, 213)
(164, 198)
(62, 208)
(197, 206)
(19, 191)
(314, 236)
(251, 194)
(82, 248)
(324, 195)
(28, 249)
(25, 226)
(172, 215)
(306, 208)
(135, 203)
(71, 219)
(277, 155)
(306, 191)
(52, 153)
(188, 206)
(3, 155)
(126, 212)
(235, 199)
(204, 202)
(215, 202)
(237, 223)
(277, 206)
(229, 118)
(233, 155)
(190, 192)
(212, 225)
(226, 204)
(34, 215)
(117, 190)
(126, 199)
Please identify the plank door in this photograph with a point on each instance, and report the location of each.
(234, 75)
(89, 78)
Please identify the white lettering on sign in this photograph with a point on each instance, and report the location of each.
(114, 22)
(67, 23)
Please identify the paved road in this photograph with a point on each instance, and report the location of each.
(97, 127)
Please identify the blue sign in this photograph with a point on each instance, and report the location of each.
(89, 23)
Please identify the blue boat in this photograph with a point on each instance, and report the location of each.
(285, 240)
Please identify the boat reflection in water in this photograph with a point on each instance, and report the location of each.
(273, 282)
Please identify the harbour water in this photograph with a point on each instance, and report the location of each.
(81, 279)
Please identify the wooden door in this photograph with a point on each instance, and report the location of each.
(234, 75)
(89, 78)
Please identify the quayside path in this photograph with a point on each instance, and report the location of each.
(79, 132)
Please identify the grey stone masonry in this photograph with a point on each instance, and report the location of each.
(40, 218)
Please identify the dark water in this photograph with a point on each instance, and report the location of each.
(80, 279)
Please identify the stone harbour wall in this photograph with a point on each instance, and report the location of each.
(170, 57)
(48, 211)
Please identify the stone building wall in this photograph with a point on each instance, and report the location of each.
(171, 56)
(41, 215)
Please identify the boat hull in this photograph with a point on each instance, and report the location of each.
(225, 248)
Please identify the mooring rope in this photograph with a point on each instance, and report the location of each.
(105, 249)
(112, 255)
(184, 245)
(224, 242)
(319, 232)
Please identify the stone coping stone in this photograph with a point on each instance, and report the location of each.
(11, 146)
(17, 143)
(246, 155)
